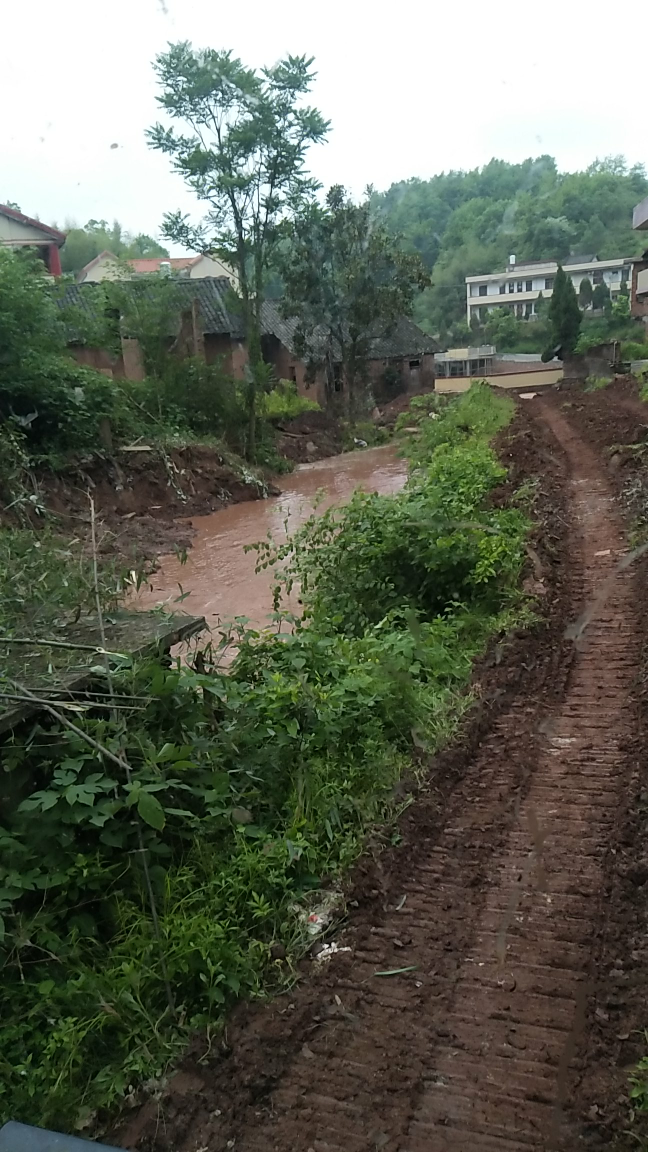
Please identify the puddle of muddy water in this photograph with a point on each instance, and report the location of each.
(219, 576)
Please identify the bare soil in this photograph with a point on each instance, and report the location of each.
(515, 904)
(311, 436)
(144, 500)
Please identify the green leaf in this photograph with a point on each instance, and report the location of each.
(151, 810)
(46, 987)
(167, 752)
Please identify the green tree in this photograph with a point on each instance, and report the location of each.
(565, 316)
(83, 244)
(600, 296)
(502, 329)
(585, 292)
(242, 149)
(621, 306)
(346, 278)
(51, 400)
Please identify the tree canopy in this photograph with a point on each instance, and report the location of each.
(83, 244)
(468, 223)
(345, 276)
(241, 147)
(565, 317)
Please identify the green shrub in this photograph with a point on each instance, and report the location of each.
(284, 402)
(633, 350)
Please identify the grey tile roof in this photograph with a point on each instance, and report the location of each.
(404, 340)
(217, 303)
(221, 315)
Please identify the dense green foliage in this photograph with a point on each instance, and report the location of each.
(565, 317)
(467, 223)
(45, 397)
(83, 244)
(346, 279)
(240, 791)
(240, 144)
(52, 409)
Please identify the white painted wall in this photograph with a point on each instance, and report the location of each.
(13, 232)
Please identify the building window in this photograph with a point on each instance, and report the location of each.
(511, 286)
(520, 286)
(414, 364)
(597, 278)
(548, 283)
(293, 373)
(625, 274)
(483, 289)
(528, 309)
(502, 289)
(529, 286)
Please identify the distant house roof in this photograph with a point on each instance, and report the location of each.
(83, 272)
(154, 263)
(221, 315)
(217, 303)
(20, 218)
(142, 266)
(404, 340)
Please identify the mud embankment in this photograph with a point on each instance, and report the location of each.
(144, 497)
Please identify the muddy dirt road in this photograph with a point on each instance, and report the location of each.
(495, 901)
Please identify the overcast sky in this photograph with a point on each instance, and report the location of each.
(411, 88)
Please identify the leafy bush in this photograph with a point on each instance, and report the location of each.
(284, 402)
(633, 350)
(58, 404)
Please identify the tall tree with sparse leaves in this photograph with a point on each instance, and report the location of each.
(565, 316)
(346, 278)
(241, 147)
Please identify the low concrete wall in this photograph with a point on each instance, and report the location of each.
(526, 380)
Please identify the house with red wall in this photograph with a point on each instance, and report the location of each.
(20, 231)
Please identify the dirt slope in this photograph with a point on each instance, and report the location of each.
(497, 899)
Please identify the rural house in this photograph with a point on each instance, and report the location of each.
(520, 285)
(20, 231)
(107, 266)
(401, 360)
(210, 324)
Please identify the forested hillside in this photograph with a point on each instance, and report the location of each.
(465, 223)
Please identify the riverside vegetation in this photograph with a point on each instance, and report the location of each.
(155, 851)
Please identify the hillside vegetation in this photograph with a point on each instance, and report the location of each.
(468, 223)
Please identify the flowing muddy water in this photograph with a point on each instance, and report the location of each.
(220, 577)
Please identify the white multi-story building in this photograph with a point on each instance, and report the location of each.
(521, 284)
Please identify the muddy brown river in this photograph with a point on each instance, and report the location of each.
(219, 576)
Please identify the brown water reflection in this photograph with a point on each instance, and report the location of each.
(219, 576)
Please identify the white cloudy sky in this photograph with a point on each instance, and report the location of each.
(412, 87)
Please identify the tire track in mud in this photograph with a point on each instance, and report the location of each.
(469, 1050)
(519, 1001)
